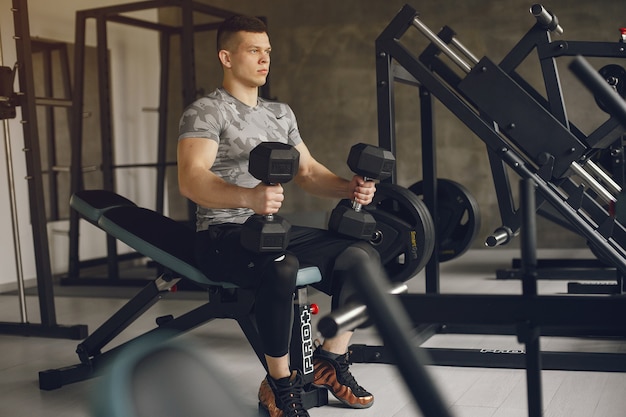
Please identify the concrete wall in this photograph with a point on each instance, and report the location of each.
(323, 65)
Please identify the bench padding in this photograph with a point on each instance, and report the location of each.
(93, 203)
(154, 235)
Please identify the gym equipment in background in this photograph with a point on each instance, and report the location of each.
(457, 219)
(513, 119)
(26, 99)
(404, 319)
(529, 135)
(405, 231)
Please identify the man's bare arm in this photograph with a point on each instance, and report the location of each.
(196, 181)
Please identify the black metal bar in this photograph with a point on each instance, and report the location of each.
(125, 20)
(585, 48)
(528, 238)
(562, 273)
(155, 4)
(163, 112)
(554, 330)
(395, 328)
(50, 133)
(48, 326)
(76, 134)
(386, 108)
(500, 358)
(502, 185)
(67, 86)
(106, 131)
(122, 318)
(104, 94)
(606, 134)
(385, 82)
(603, 313)
(188, 68)
(145, 165)
(535, 36)
(599, 87)
(429, 179)
(72, 332)
(553, 90)
(527, 331)
(32, 154)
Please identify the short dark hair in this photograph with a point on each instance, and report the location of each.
(238, 23)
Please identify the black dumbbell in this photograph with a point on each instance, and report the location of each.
(372, 163)
(272, 163)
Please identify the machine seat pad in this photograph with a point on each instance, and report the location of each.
(169, 243)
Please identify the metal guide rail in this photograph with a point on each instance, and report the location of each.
(522, 129)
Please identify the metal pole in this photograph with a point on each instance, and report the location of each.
(529, 332)
(604, 177)
(398, 334)
(441, 45)
(592, 183)
(599, 87)
(464, 50)
(14, 219)
(350, 316)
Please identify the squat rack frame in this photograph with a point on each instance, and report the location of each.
(26, 99)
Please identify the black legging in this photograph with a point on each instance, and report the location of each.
(273, 307)
(273, 275)
(274, 301)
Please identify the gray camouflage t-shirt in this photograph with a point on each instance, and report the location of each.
(237, 128)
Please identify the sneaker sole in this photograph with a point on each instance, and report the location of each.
(343, 401)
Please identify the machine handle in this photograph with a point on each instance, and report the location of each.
(546, 19)
(599, 87)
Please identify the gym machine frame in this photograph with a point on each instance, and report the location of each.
(26, 99)
(512, 133)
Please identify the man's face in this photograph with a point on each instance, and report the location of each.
(250, 59)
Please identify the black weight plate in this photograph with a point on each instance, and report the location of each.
(404, 231)
(457, 220)
(615, 76)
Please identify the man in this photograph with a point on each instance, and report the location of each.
(217, 133)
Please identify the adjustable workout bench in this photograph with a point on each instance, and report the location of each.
(170, 244)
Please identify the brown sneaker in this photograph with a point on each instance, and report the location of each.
(334, 375)
(282, 397)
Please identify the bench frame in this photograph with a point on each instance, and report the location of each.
(123, 219)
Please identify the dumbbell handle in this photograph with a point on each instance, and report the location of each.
(358, 206)
(270, 216)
